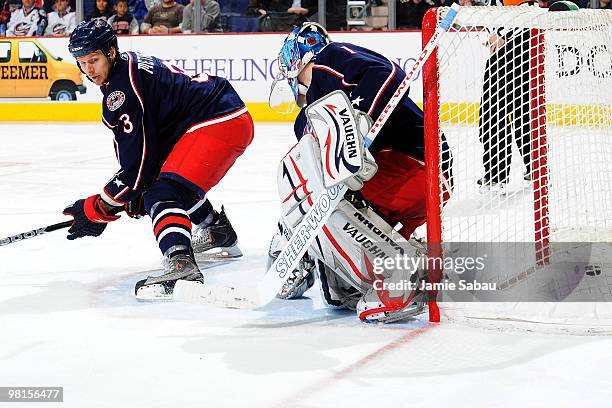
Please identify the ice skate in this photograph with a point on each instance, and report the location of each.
(372, 309)
(395, 296)
(527, 176)
(216, 241)
(300, 281)
(486, 186)
(161, 287)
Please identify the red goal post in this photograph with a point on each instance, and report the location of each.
(531, 121)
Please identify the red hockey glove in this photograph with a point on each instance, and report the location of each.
(90, 218)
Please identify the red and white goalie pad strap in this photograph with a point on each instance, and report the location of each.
(339, 130)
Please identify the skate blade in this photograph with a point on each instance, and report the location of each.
(492, 191)
(404, 314)
(219, 296)
(218, 254)
(153, 292)
(389, 317)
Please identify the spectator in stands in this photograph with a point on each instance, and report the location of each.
(335, 14)
(443, 3)
(472, 3)
(605, 4)
(26, 21)
(164, 18)
(579, 3)
(12, 4)
(262, 7)
(61, 21)
(5, 16)
(103, 10)
(49, 5)
(149, 4)
(301, 7)
(409, 14)
(280, 15)
(138, 9)
(209, 17)
(122, 21)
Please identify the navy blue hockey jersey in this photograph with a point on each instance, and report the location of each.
(369, 80)
(149, 104)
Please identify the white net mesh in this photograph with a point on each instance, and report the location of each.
(525, 104)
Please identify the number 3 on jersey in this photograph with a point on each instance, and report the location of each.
(127, 124)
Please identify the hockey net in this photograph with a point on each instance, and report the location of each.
(523, 98)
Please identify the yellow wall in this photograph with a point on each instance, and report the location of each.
(91, 112)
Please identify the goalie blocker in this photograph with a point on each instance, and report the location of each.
(349, 252)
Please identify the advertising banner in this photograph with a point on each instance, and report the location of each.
(41, 72)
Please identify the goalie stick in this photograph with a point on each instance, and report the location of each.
(316, 217)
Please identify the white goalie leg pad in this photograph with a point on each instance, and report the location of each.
(352, 243)
(299, 180)
(365, 252)
(335, 291)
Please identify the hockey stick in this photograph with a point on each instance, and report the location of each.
(318, 214)
(34, 233)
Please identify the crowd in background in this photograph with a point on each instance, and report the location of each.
(57, 17)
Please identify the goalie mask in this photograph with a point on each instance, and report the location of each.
(300, 47)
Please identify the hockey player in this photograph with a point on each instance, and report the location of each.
(27, 21)
(175, 138)
(392, 199)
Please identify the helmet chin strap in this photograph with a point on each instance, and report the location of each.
(302, 89)
(301, 99)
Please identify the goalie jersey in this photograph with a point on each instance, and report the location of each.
(369, 80)
(149, 105)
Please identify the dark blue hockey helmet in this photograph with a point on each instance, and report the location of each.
(90, 36)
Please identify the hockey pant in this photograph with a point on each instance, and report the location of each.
(198, 161)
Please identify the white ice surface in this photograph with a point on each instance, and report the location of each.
(68, 317)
